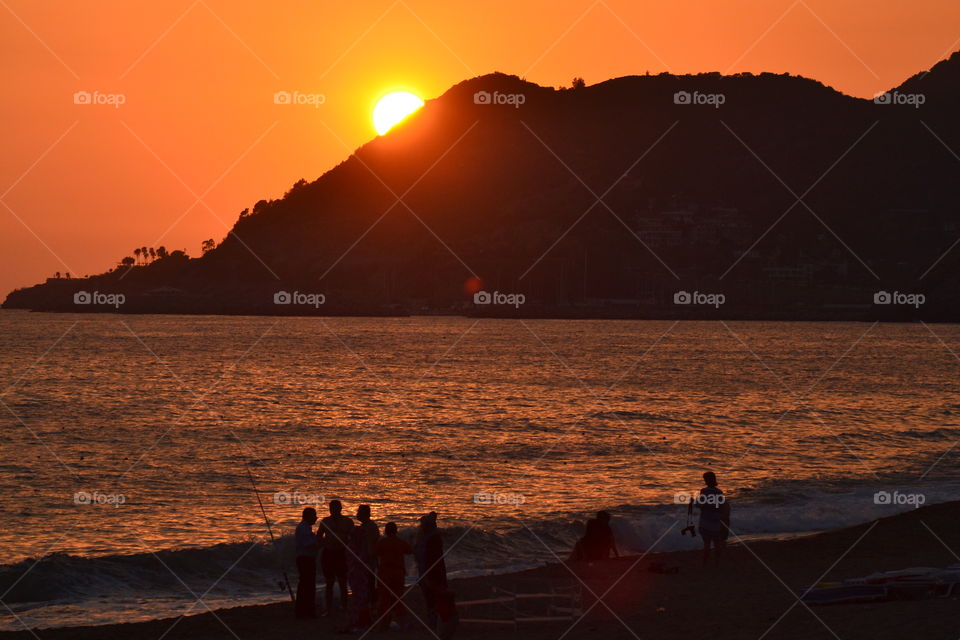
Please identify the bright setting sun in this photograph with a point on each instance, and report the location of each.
(392, 108)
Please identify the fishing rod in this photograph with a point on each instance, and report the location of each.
(283, 571)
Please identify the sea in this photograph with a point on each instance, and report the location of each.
(136, 450)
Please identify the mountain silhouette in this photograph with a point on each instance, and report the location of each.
(701, 196)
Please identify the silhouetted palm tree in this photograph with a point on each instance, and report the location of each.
(136, 252)
(153, 254)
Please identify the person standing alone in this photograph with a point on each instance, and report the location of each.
(714, 518)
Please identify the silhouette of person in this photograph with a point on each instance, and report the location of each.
(370, 533)
(306, 544)
(333, 535)
(432, 570)
(391, 569)
(586, 548)
(358, 573)
(606, 543)
(592, 541)
(711, 503)
(597, 542)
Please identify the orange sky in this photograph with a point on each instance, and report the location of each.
(81, 185)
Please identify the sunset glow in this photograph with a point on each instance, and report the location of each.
(655, 306)
(181, 125)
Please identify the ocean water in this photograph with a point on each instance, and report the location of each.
(128, 443)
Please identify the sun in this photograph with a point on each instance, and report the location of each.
(392, 108)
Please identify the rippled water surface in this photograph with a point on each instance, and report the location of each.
(550, 419)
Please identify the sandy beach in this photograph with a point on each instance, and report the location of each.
(753, 595)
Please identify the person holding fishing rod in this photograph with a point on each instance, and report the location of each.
(307, 546)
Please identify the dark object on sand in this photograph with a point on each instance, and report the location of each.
(659, 567)
(843, 594)
(905, 584)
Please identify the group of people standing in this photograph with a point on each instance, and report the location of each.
(373, 566)
(355, 555)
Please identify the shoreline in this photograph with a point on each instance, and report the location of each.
(757, 584)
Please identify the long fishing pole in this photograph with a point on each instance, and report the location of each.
(283, 571)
